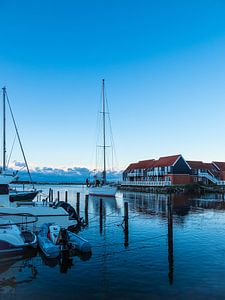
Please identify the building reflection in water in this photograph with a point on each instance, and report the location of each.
(170, 237)
(174, 207)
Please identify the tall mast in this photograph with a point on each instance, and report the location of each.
(4, 129)
(103, 119)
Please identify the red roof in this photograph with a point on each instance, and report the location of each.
(131, 167)
(166, 161)
(202, 165)
(150, 163)
(220, 165)
(144, 164)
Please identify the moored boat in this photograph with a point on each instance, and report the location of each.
(22, 195)
(53, 240)
(101, 187)
(104, 191)
(13, 239)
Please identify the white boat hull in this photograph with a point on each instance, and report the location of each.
(13, 239)
(43, 214)
(105, 191)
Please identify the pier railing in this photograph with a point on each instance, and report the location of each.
(145, 183)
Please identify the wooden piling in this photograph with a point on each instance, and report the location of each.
(49, 194)
(78, 204)
(170, 238)
(101, 215)
(86, 209)
(126, 225)
(66, 196)
(78, 196)
(58, 196)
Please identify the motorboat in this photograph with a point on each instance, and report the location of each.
(13, 239)
(53, 240)
(42, 212)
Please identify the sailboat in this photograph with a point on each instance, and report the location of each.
(101, 188)
(7, 177)
(27, 211)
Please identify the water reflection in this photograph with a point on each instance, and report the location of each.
(170, 238)
(65, 261)
(148, 203)
(17, 270)
(156, 252)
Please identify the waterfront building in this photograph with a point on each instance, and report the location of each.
(173, 170)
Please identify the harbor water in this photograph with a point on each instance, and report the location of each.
(174, 248)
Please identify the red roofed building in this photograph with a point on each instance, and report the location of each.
(221, 169)
(203, 172)
(169, 170)
(173, 170)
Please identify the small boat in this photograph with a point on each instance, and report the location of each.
(103, 189)
(13, 239)
(15, 195)
(53, 240)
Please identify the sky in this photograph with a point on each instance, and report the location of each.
(164, 69)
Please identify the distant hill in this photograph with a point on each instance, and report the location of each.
(71, 175)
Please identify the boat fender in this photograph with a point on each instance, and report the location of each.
(68, 208)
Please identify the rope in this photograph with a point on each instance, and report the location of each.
(11, 150)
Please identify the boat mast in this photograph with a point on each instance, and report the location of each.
(104, 145)
(4, 128)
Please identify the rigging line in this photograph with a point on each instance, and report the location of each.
(18, 136)
(11, 151)
(111, 133)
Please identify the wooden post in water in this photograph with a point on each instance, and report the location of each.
(126, 226)
(58, 196)
(66, 196)
(101, 215)
(86, 209)
(78, 204)
(170, 238)
(78, 196)
(49, 194)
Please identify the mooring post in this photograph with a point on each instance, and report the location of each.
(126, 226)
(170, 238)
(66, 196)
(49, 194)
(101, 215)
(58, 196)
(78, 204)
(52, 196)
(86, 209)
(78, 196)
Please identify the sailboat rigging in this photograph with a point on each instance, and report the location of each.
(104, 189)
(14, 195)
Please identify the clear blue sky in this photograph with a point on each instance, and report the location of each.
(164, 65)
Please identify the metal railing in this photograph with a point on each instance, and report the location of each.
(146, 183)
(156, 173)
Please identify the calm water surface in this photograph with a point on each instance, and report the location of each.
(170, 252)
